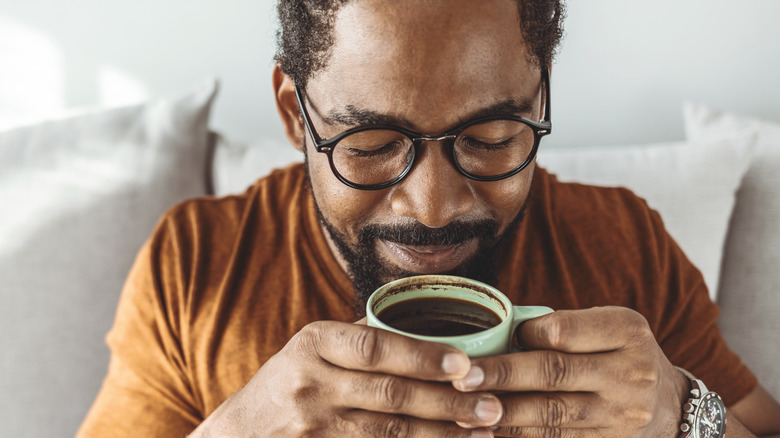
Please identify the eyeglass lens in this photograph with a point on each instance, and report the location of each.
(377, 156)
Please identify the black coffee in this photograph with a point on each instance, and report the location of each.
(438, 316)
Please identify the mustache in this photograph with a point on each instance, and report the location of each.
(417, 234)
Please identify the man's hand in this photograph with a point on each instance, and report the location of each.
(348, 380)
(591, 373)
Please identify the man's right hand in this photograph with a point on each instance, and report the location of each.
(350, 380)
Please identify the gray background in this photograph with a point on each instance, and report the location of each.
(623, 71)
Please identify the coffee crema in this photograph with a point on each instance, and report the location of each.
(439, 316)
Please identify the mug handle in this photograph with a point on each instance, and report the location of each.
(521, 314)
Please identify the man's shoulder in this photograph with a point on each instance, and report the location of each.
(271, 193)
(266, 202)
(609, 224)
(586, 204)
(604, 240)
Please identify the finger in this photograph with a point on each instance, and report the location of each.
(373, 424)
(426, 400)
(553, 410)
(365, 348)
(542, 370)
(361, 321)
(543, 432)
(598, 329)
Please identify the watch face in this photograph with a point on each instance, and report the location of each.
(710, 418)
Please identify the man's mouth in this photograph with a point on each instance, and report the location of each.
(427, 259)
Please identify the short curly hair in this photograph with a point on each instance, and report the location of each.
(305, 33)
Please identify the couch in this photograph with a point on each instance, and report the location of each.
(79, 195)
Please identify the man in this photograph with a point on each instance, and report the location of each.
(419, 120)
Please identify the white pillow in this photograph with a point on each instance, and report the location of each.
(750, 281)
(78, 197)
(692, 186)
(237, 165)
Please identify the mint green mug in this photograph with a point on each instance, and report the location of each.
(457, 311)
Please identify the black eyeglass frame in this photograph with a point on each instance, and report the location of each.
(327, 145)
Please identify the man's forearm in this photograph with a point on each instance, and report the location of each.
(735, 429)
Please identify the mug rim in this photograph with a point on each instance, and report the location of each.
(444, 280)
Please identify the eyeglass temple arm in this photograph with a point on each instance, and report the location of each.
(305, 115)
(547, 106)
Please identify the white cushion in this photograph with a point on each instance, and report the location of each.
(692, 186)
(237, 165)
(78, 197)
(750, 284)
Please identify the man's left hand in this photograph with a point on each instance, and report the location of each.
(588, 373)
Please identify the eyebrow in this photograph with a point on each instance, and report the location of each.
(353, 116)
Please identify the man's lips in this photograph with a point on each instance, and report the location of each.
(427, 259)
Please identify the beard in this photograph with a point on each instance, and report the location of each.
(368, 270)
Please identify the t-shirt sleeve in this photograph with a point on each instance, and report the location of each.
(146, 391)
(687, 328)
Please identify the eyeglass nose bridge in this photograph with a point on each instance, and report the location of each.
(439, 138)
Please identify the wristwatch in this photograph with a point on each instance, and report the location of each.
(704, 414)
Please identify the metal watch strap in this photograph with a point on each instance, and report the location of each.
(697, 392)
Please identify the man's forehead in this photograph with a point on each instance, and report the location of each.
(411, 58)
(425, 30)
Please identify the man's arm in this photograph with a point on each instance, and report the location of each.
(758, 412)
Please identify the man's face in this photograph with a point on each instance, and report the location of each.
(428, 66)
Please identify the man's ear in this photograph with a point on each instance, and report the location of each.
(287, 106)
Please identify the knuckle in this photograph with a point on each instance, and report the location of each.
(634, 416)
(308, 337)
(346, 426)
(547, 432)
(638, 329)
(425, 358)
(299, 427)
(552, 433)
(637, 319)
(454, 404)
(510, 431)
(392, 393)
(553, 411)
(639, 417)
(647, 377)
(366, 347)
(556, 373)
(641, 375)
(556, 330)
(396, 426)
(501, 373)
(302, 386)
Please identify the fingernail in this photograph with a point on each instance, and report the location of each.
(481, 433)
(488, 410)
(473, 379)
(455, 364)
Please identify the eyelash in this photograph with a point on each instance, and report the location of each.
(386, 149)
(470, 142)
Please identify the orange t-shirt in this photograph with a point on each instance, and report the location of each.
(224, 283)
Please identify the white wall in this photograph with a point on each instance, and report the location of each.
(622, 74)
(626, 66)
(140, 48)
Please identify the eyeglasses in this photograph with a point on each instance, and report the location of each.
(375, 157)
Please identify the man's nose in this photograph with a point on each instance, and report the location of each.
(434, 193)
